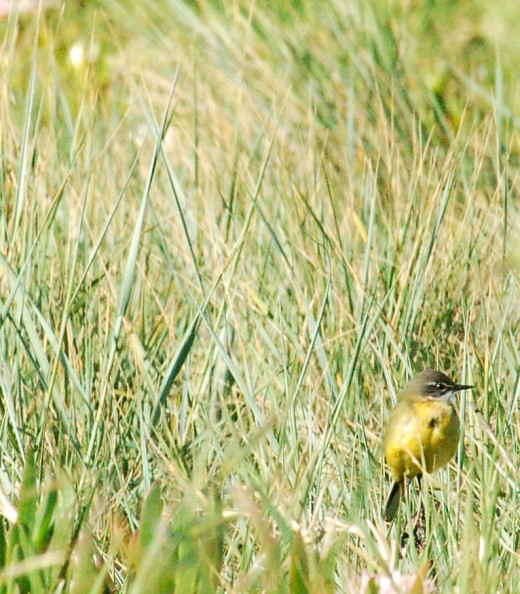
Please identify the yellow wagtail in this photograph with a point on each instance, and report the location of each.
(423, 431)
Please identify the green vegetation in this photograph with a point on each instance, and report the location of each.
(229, 231)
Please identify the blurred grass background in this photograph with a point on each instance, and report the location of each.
(229, 231)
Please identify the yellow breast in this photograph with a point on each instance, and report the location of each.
(420, 435)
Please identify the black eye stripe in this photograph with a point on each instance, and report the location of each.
(437, 388)
(438, 385)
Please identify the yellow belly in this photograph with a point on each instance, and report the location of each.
(420, 436)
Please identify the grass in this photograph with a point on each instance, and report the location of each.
(229, 233)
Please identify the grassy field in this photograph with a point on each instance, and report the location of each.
(229, 232)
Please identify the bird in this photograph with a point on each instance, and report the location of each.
(422, 433)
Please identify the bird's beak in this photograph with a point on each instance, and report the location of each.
(460, 387)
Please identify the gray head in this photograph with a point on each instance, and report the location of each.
(432, 385)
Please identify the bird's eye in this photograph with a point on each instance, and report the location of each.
(438, 386)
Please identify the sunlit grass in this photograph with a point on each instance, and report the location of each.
(228, 235)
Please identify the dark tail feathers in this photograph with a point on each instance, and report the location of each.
(392, 503)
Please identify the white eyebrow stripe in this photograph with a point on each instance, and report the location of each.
(440, 385)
